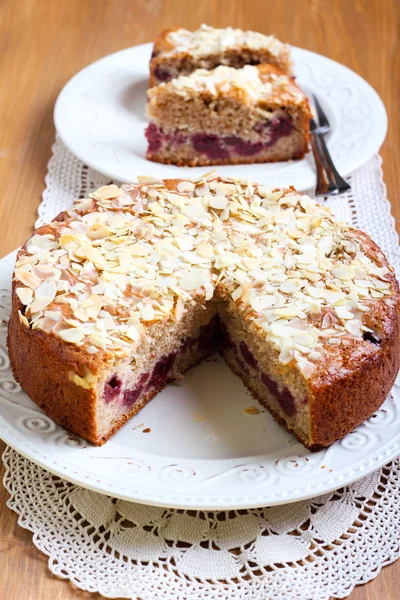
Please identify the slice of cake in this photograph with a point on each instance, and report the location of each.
(130, 287)
(180, 52)
(228, 116)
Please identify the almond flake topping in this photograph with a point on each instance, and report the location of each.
(209, 40)
(255, 86)
(25, 295)
(108, 191)
(126, 258)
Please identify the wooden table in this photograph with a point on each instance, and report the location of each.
(44, 42)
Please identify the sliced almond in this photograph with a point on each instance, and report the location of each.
(354, 327)
(179, 309)
(218, 202)
(343, 272)
(98, 231)
(291, 286)
(194, 279)
(143, 179)
(47, 289)
(27, 278)
(185, 186)
(205, 250)
(108, 191)
(72, 335)
(197, 417)
(260, 303)
(140, 249)
(25, 295)
(252, 410)
(147, 313)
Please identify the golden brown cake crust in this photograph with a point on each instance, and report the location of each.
(358, 380)
(162, 43)
(350, 383)
(40, 363)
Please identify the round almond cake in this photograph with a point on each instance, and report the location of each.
(132, 286)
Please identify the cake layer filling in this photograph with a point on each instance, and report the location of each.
(162, 74)
(250, 368)
(215, 146)
(119, 390)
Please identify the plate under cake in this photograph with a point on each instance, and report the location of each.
(130, 287)
(228, 116)
(180, 51)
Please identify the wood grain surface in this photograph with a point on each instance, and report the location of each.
(44, 42)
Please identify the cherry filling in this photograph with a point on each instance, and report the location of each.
(224, 340)
(207, 336)
(248, 356)
(242, 147)
(243, 367)
(284, 397)
(270, 384)
(281, 127)
(154, 137)
(112, 389)
(132, 395)
(161, 370)
(371, 337)
(221, 147)
(162, 74)
(211, 145)
(213, 334)
(286, 402)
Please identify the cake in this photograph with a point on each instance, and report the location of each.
(227, 116)
(132, 286)
(180, 52)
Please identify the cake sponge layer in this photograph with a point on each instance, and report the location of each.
(255, 114)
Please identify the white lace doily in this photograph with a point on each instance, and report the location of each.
(304, 551)
(309, 550)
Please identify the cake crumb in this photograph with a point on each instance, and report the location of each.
(147, 430)
(179, 379)
(252, 410)
(322, 466)
(197, 417)
(138, 426)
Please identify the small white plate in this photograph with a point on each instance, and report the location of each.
(100, 116)
(201, 450)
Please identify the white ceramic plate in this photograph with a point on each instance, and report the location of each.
(99, 115)
(202, 450)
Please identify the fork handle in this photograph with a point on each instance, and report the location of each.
(325, 184)
(341, 184)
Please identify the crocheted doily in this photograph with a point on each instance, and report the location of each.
(309, 550)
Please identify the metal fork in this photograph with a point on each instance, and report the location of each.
(329, 181)
(325, 184)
